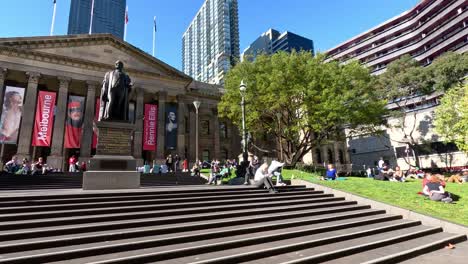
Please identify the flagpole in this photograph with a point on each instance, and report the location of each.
(91, 20)
(154, 34)
(125, 21)
(53, 19)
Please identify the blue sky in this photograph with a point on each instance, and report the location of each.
(326, 22)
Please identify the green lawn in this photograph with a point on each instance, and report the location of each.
(404, 195)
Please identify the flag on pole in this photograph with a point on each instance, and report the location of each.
(126, 15)
(126, 22)
(53, 18)
(154, 34)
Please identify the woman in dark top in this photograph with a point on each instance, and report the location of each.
(436, 191)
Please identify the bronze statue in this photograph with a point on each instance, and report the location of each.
(116, 88)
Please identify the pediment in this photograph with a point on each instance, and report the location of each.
(98, 48)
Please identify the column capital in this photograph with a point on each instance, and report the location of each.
(33, 77)
(64, 80)
(162, 95)
(3, 72)
(93, 84)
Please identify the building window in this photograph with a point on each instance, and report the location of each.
(205, 127)
(224, 154)
(318, 155)
(205, 155)
(223, 130)
(330, 156)
(341, 156)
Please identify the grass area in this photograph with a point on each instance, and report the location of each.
(400, 194)
(207, 172)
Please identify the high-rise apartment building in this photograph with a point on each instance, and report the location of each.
(210, 45)
(109, 17)
(424, 32)
(272, 41)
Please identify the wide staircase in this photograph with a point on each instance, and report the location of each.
(207, 225)
(67, 180)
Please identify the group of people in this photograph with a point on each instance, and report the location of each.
(218, 171)
(74, 165)
(26, 167)
(172, 164)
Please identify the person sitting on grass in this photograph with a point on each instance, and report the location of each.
(435, 191)
(195, 170)
(222, 174)
(330, 174)
(465, 175)
(385, 174)
(398, 175)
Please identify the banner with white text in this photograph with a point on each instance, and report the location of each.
(150, 127)
(43, 124)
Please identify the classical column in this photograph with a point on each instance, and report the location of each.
(161, 126)
(181, 109)
(192, 133)
(55, 159)
(336, 150)
(216, 145)
(3, 73)
(87, 137)
(27, 122)
(138, 134)
(324, 149)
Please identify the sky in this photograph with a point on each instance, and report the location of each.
(327, 22)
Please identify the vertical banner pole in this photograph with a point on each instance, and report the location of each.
(53, 19)
(91, 20)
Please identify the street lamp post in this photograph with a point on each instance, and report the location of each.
(245, 155)
(196, 103)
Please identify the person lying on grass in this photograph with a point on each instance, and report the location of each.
(456, 178)
(435, 191)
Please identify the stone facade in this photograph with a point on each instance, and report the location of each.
(76, 64)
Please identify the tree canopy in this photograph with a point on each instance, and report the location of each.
(301, 99)
(452, 117)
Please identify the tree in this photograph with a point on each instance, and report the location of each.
(452, 117)
(402, 82)
(449, 70)
(404, 85)
(315, 99)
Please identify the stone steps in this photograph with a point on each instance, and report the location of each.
(67, 180)
(207, 225)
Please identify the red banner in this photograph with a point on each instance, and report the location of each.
(150, 127)
(74, 125)
(96, 117)
(42, 134)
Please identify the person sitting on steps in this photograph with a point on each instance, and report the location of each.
(263, 178)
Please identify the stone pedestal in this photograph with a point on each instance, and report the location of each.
(113, 166)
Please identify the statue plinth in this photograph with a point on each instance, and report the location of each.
(113, 166)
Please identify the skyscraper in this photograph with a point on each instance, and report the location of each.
(210, 45)
(109, 17)
(272, 41)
